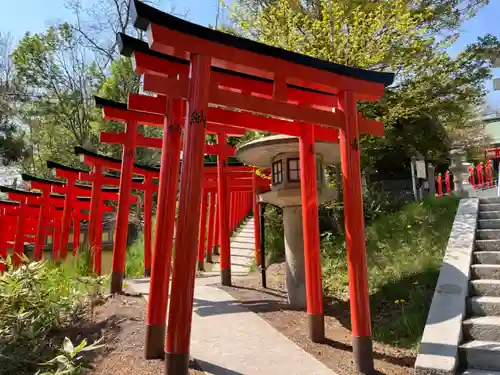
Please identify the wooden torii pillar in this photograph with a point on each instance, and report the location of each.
(8, 211)
(129, 139)
(77, 198)
(45, 186)
(23, 197)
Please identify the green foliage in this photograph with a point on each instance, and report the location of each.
(69, 361)
(36, 300)
(12, 144)
(408, 37)
(134, 266)
(54, 68)
(404, 253)
(274, 239)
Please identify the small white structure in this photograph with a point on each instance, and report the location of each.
(281, 154)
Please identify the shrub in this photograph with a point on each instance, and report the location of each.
(404, 253)
(36, 300)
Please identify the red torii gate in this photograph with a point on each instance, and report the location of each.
(97, 177)
(25, 218)
(8, 213)
(78, 197)
(47, 202)
(130, 139)
(144, 183)
(135, 113)
(45, 187)
(119, 112)
(291, 75)
(240, 182)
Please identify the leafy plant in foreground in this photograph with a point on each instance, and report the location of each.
(69, 361)
(37, 301)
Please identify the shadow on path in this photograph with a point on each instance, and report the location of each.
(216, 370)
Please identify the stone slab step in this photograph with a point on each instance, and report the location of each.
(488, 224)
(487, 245)
(483, 306)
(488, 234)
(486, 328)
(485, 287)
(489, 207)
(489, 200)
(475, 371)
(485, 271)
(482, 355)
(242, 245)
(489, 215)
(487, 257)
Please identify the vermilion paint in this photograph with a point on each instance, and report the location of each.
(211, 225)
(181, 301)
(354, 230)
(308, 191)
(120, 243)
(148, 217)
(202, 232)
(165, 220)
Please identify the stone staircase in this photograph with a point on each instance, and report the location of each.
(242, 249)
(480, 350)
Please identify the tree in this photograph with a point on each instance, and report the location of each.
(54, 69)
(12, 145)
(62, 69)
(408, 37)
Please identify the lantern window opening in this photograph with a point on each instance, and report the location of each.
(293, 170)
(277, 172)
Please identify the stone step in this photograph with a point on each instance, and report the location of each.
(487, 245)
(486, 328)
(483, 306)
(475, 371)
(481, 354)
(485, 287)
(489, 207)
(485, 271)
(488, 224)
(489, 215)
(489, 200)
(242, 245)
(487, 257)
(488, 234)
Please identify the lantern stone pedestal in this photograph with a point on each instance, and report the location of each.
(281, 154)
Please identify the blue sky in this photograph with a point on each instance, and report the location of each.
(35, 15)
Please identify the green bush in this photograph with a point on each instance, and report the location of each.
(274, 238)
(36, 300)
(134, 265)
(404, 253)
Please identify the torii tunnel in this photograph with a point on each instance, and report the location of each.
(210, 81)
(206, 81)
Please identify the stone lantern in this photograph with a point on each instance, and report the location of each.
(459, 169)
(281, 154)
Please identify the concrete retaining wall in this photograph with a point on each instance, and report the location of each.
(442, 335)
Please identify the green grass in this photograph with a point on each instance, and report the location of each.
(404, 253)
(134, 265)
